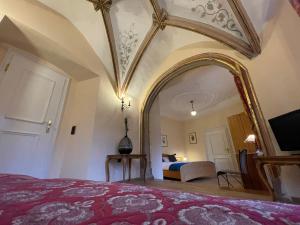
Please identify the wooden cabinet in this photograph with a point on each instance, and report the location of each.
(240, 127)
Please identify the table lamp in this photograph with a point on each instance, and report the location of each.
(251, 138)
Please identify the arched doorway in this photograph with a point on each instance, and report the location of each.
(243, 83)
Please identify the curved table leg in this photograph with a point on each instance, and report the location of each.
(145, 167)
(129, 168)
(107, 169)
(124, 168)
(263, 176)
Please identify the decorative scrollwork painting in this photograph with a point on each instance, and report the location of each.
(217, 14)
(128, 40)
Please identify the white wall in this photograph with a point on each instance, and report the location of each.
(96, 111)
(109, 130)
(82, 115)
(174, 130)
(63, 135)
(155, 140)
(50, 35)
(204, 123)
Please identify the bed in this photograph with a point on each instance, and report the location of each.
(29, 201)
(186, 171)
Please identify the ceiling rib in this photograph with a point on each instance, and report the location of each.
(146, 42)
(104, 6)
(159, 16)
(157, 9)
(162, 19)
(244, 20)
(211, 32)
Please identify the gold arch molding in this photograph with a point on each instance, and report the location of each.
(161, 19)
(239, 72)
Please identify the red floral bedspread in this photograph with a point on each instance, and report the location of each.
(30, 201)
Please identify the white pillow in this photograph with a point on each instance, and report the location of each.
(166, 159)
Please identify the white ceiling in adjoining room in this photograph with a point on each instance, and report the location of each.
(208, 87)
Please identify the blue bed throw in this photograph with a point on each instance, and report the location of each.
(176, 166)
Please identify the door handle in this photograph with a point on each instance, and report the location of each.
(48, 127)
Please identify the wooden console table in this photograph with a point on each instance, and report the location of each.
(274, 161)
(124, 158)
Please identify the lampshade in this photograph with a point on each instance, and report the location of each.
(193, 113)
(251, 138)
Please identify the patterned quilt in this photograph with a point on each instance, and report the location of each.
(30, 201)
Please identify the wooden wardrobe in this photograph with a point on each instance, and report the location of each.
(240, 127)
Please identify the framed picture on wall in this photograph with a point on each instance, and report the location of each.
(193, 138)
(164, 141)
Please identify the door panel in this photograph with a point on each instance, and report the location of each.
(15, 159)
(219, 150)
(218, 143)
(31, 95)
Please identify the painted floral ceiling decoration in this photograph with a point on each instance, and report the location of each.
(131, 25)
(128, 40)
(219, 15)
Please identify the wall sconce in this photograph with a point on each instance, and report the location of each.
(125, 103)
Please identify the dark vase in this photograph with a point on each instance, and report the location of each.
(125, 145)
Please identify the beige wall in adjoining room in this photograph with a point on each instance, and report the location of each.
(174, 130)
(216, 119)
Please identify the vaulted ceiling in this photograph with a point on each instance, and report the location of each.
(131, 25)
(130, 38)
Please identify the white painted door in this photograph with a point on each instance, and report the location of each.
(31, 99)
(219, 150)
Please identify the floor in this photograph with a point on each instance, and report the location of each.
(207, 186)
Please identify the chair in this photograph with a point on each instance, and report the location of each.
(236, 175)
